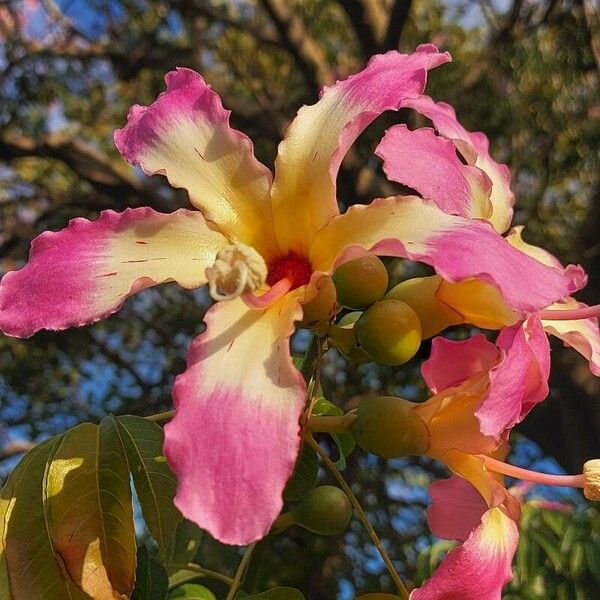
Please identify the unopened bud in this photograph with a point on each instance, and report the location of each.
(389, 427)
(360, 282)
(325, 510)
(389, 331)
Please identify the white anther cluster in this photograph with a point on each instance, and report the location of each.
(237, 269)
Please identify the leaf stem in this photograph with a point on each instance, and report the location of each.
(310, 440)
(237, 578)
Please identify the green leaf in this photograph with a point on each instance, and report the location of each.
(154, 481)
(592, 552)
(278, 593)
(30, 564)
(304, 476)
(184, 545)
(191, 591)
(90, 513)
(549, 547)
(151, 579)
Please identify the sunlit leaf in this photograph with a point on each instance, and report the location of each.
(90, 514)
(151, 579)
(34, 570)
(154, 481)
(191, 591)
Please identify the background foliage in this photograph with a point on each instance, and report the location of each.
(524, 72)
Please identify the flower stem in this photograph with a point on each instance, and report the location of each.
(325, 424)
(310, 440)
(587, 312)
(162, 417)
(237, 578)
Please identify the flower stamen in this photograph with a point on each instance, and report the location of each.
(589, 480)
(237, 269)
(587, 312)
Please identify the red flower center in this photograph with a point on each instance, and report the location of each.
(293, 267)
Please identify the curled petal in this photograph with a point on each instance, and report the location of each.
(581, 334)
(452, 362)
(480, 567)
(235, 435)
(458, 249)
(185, 135)
(575, 272)
(520, 381)
(408, 158)
(85, 272)
(475, 149)
(317, 140)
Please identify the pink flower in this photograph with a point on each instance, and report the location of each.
(262, 244)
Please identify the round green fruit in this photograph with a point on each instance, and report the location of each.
(360, 282)
(389, 331)
(326, 510)
(389, 427)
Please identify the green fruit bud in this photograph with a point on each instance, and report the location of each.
(326, 510)
(389, 331)
(360, 282)
(322, 307)
(389, 427)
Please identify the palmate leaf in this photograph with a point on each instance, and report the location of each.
(154, 482)
(89, 508)
(30, 568)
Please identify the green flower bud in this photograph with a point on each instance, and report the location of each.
(326, 510)
(389, 331)
(322, 307)
(389, 427)
(360, 282)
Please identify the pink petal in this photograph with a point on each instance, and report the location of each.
(85, 272)
(429, 164)
(475, 148)
(185, 135)
(478, 568)
(582, 334)
(315, 143)
(458, 248)
(452, 362)
(456, 508)
(520, 381)
(235, 435)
